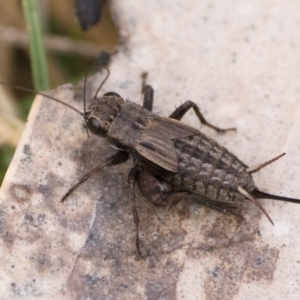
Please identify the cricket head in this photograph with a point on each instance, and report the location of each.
(101, 113)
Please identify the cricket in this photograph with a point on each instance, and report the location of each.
(172, 161)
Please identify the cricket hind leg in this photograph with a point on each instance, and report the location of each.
(180, 111)
(226, 208)
(132, 179)
(154, 189)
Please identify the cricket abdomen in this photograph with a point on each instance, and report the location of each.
(210, 170)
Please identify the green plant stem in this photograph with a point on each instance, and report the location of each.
(37, 50)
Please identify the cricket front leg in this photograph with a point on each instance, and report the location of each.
(180, 111)
(117, 158)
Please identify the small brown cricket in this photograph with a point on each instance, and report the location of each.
(171, 158)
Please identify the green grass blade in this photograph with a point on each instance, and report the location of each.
(37, 50)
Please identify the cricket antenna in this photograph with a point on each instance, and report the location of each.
(84, 104)
(103, 81)
(17, 87)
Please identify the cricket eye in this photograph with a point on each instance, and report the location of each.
(95, 127)
(112, 94)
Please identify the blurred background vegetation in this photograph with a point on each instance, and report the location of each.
(70, 51)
